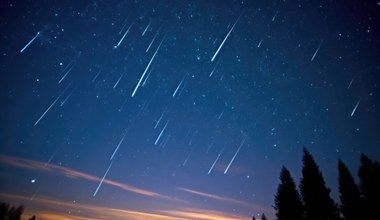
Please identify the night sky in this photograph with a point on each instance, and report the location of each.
(181, 109)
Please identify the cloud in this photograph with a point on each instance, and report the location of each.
(226, 200)
(38, 165)
(169, 209)
(46, 208)
(202, 214)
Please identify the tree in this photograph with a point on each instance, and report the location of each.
(369, 174)
(8, 212)
(351, 203)
(287, 201)
(263, 217)
(316, 196)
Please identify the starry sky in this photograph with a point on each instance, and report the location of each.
(154, 109)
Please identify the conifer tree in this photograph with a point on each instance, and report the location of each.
(316, 196)
(287, 201)
(369, 174)
(351, 203)
(263, 217)
(8, 212)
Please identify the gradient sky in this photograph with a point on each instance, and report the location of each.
(180, 109)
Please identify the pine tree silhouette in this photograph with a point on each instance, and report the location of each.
(8, 212)
(316, 196)
(287, 201)
(369, 174)
(352, 206)
(263, 217)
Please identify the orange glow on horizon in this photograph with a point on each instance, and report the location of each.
(200, 214)
(52, 208)
(225, 199)
(48, 208)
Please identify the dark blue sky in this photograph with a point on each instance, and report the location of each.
(192, 107)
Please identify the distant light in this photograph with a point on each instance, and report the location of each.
(33, 180)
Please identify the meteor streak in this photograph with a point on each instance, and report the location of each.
(316, 51)
(275, 15)
(236, 153)
(209, 147)
(67, 97)
(216, 160)
(146, 69)
(122, 38)
(225, 38)
(64, 76)
(96, 76)
(52, 104)
(261, 41)
(117, 147)
(352, 80)
(31, 41)
(101, 181)
(151, 42)
(147, 27)
(356, 106)
(162, 131)
(146, 78)
(179, 85)
(188, 157)
(162, 115)
(213, 70)
(117, 82)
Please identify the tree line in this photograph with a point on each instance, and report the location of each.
(8, 212)
(313, 201)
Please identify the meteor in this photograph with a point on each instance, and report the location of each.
(117, 147)
(101, 182)
(143, 33)
(52, 104)
(31, 41)
(356, 106)
(146, 69)
(162, 131)
(316, 51)
(122, 38)
(179, 85)
(225, 38)
(236, 153)
(216, 160)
